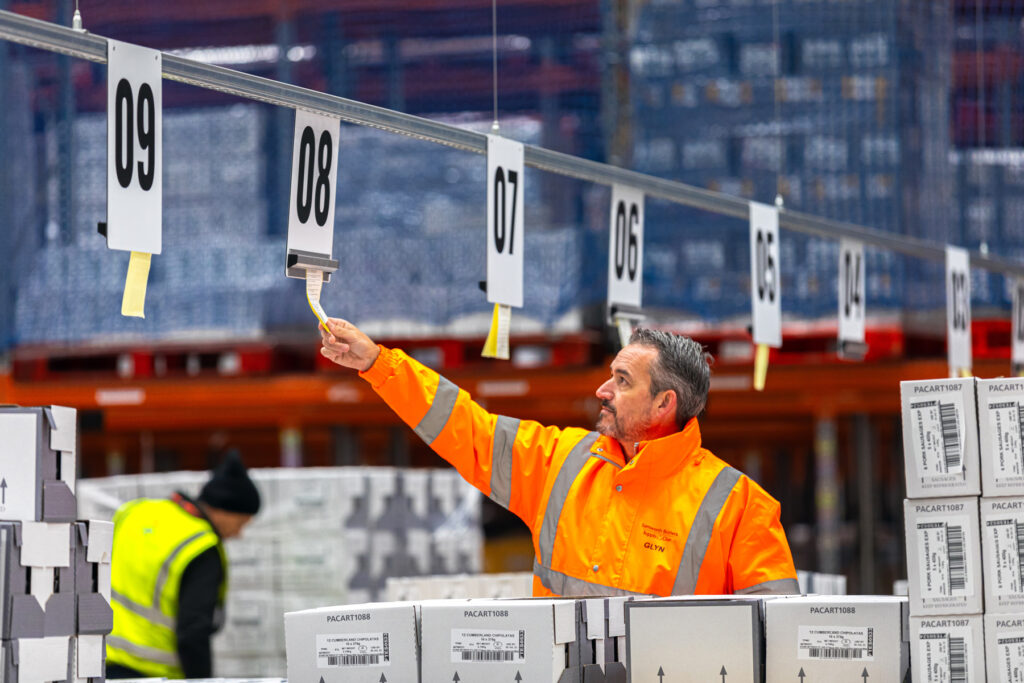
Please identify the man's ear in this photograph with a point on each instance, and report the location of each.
(667, 402)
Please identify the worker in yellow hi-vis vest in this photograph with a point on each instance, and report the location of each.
(169, 575)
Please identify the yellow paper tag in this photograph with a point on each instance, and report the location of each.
(314, 283)
(133, 302)
(760, 366)
(965, 372)
(496, 345)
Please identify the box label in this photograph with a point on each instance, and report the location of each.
(1005, 538)
(836, 642)
(943, 558)
(335, 650)
(1010, 657)
(943, 656)
(485, 645)
(937, 426)
(1006, 423)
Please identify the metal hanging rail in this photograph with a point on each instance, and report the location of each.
(63, 40)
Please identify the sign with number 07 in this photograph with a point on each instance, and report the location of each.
(851, 291)
(134, 148)
(314, 184)
(765, 276)
(958, 309)
(504, 221)
(626, 247)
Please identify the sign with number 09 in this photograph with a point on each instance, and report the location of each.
(505, 236)
(1017, 326)
(134, 148)
(958, 309)
(626, 247)
(314, 184)
(851, 291)
(765, 276)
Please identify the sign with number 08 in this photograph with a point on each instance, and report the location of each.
(958, 309)
(313, 188)
(134, 148)
(504, 221)
(626, 247)
(1018, 322)
(851, 291)
(765, 276)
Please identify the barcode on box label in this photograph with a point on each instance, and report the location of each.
(488, 646)
(943, 656)
(336, 650)
(1010, 660)
(942, 559)
(1006, 425)
(836, 642)
(937, 427)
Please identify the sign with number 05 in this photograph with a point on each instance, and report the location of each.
(504, 221)
(851, 291)
(1018, 322)
(958, 308)
(314, 178)
(765, 276)
(626, 247)
(134, 148)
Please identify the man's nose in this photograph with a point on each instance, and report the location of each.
(604, 391)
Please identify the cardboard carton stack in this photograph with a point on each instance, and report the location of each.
(943, 532)
(54, 570)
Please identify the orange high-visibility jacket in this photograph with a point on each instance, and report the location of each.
(674, 520)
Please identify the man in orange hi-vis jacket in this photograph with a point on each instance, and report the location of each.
(636, 507)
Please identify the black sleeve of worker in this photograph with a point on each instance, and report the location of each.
(197, 605)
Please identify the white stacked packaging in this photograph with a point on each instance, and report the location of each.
(54, 570)
(943, 534)
(324, 536)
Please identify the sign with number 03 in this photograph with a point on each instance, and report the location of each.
(134, 148)
(765, 276)
(1018, 322)
(626, 247)
(851, 291)
(314, 178)
(504, 221)
(958, 308)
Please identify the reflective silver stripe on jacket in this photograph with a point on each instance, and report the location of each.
(440, 410)
(571, 468)
(702, 529)
(505, 431)
(775, 587)
(150, 614)
(150, 654)
(562, 584)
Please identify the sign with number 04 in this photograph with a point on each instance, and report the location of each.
(1018, 322)
(626, 247)
(851, 291)
(958, 309)
(134, 148)
(504, 221)
(765, 277)
(314, 183)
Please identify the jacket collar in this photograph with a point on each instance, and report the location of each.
(657, 457)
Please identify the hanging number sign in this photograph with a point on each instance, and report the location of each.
(958, 310)
(851, 291)
(1017, 326)
(314, 184)
(505, 221)
(626, 248)
(765, 276)
(134, 148)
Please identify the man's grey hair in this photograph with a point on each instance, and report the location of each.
(682, 365)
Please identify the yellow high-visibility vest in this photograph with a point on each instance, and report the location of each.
(154, 541)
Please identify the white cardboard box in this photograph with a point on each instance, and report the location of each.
(1002, 545)
(836, 638)
(940, 438)
(947, 648)
(353, 644)
(601, 639)
(1004, 647)
(1001, 436)
(695, 639)
(485, 641)
(39, 464)
(943, 556)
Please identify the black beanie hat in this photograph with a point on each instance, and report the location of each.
(230, 487)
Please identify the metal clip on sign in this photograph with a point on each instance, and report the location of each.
(301, 261)
(624, 318)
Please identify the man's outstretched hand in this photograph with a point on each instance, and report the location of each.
(346, 345)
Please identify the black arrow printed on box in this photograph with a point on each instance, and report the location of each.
(864, 674)
(661, 674)
(3, 494)
(456, 677)
(519, 677)
(383, 679)
(801, 675)
(723, 673)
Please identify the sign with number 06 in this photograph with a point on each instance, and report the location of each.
(314, 178)
(958, 309)
(765, 276)
(134, 148)
(504, 221)
(1018, 322)
(851, 291)
(626, 247)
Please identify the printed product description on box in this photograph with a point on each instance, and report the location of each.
(943, 558)
(485, 645)
(352, 649)
(1005, 538)
(1010, 654)
(943, 656)
(836, 642)
(937, 425)
(1006, 423)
